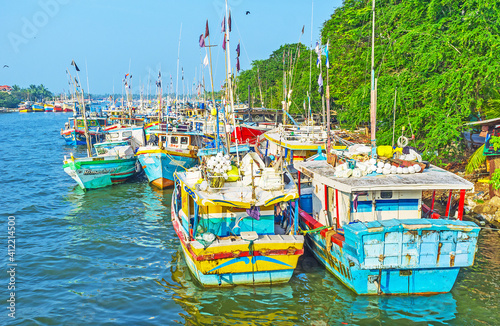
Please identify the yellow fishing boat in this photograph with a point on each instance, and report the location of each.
(237, 226)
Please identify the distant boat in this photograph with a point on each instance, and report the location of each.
(37, 107)
(58, 107)
(68, 107)
(25, 107)
(48, 107)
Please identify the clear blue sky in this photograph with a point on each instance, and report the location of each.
(39, 39)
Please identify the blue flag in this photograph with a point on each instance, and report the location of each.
(326, 53)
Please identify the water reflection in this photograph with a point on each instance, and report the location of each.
(312, 297)
(242, 305)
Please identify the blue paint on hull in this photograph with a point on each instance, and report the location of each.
(161, 165)
(78, 139)
(424, 259)
(232, 279)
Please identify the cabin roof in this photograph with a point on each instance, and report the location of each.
(296, 142)
(432, 178)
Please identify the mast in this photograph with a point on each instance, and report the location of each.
(207, 35)
(373, 93)
(84, 113)
(230, 86)
(229, 82)
(177, 82)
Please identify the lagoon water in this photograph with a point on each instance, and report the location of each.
(111, 256)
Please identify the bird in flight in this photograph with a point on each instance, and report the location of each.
(5, 66)
(248, 12)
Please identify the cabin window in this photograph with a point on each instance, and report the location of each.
(113, 135)
(184, 140)
(174, 140)
(163, 139)
(386, 194)
(127, 134)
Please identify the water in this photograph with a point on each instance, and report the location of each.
(111, 256)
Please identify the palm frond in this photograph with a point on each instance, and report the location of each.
(476, 160)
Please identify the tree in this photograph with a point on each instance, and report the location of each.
(440, 56)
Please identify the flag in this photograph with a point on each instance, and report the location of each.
(303, 26)
(205, 61)
(238, 64)
(126, 76)
(159, 74)
(130, 76)
(326, 53)
(182, 73)
(223, 25)
(224, 42)
(238, 50)
(317, 49)
(206, 30)
(202, 41)
(74, 64)
(320, 84)
(229, 21)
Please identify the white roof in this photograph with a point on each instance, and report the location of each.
(430, 179)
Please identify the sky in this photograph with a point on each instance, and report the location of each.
(110, 38)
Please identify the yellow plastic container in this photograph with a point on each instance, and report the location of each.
(233, 175)
(384, 151)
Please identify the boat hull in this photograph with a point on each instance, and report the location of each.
(247, 134)
(96, 173)
(269, 260)
(160, 166)
(419, 257)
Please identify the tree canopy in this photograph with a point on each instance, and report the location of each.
(18, 94)
(437, 60)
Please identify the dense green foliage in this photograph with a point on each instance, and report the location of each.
(17, 95)
(8, 100)
(442, 57)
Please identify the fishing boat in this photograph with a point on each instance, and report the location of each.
(114, 163)
(25, 107)
(48, 107)
(253, 122)
(74, 131)
(235, 231)
(367, 223)
(168, 152)
(58, 107)
(292, 143)
(375, 234)
(68, 107)
(38, 107)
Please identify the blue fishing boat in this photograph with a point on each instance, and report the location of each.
(74, 133)
(376, 235)
(167, 153)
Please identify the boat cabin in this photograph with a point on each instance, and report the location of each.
(340, 201)
(134, 135)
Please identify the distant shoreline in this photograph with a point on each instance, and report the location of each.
(9, 110)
